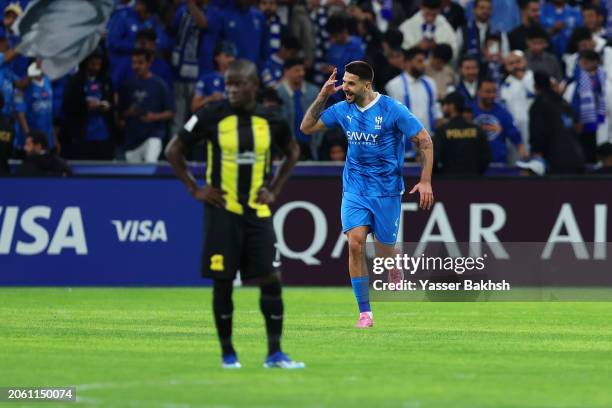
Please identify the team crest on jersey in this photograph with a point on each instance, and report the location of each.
(216, 263)
(378, 120)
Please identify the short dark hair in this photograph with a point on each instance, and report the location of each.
(485, 80)
(151, 5)
(536, 32)
(524, 3)
(147, 34)
(290, 42)
(443, 52)
(432, 4)
(478, 1)
(466, 58)
(591, 7)
(141, 51)
(336, 24)
(244, 68)
(393, 37)
(541, 80)
(580, 34)
(411, 53)
(455, 99)
(39, 138)
(590, 55)
(292, 62)
(360, 68)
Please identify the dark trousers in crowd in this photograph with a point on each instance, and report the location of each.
(588, 140)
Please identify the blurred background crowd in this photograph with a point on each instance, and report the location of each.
(495, 81)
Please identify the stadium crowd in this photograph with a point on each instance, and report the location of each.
(495, 81)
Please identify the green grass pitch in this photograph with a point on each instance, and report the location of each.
(158, 348)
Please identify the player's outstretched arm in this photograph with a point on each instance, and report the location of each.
(424, 148)
(312, 122)
(267, 195)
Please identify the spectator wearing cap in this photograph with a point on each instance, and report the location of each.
(497, 123)
(275, 29)
(553, 136)
(530, 16)
(583, 40)
(427, 28)
(245, 27)
(297, 96)
(438, 68)
(36, 103)
(469, 75)
(145, 108)
(211, 85)
(586, 93)
(343, 47)
(604, 153)
(517, 92)
(538, 59)
(416, 90)
(273, 68)
(121, 33)
(472, 37)
(87, 133)
(461, 147)
(560, 19)
(7, 132)
(11, 12)
(39, 161)
(145, 39)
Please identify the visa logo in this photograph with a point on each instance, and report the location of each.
(68, 234)
(140, 230)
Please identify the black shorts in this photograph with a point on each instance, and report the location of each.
(235, 242)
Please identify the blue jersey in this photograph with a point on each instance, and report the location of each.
(376, 144)
(499, 126)
(210, 83)
(37, 104)
(96, 125)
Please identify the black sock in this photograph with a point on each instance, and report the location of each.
(223, 310)
(271, 304)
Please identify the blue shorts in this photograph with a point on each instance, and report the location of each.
(381, 214)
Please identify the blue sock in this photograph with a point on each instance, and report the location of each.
(362, 293)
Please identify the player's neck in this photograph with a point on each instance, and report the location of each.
(367, 99)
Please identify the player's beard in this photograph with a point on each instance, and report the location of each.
(353, 97)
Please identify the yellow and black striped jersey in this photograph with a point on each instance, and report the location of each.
(238, 146)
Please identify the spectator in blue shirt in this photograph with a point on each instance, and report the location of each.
(211, 86)
(496, 122)
(273, 68)
(560, 19)
(145, 39)
(274, 27)
(122, 30)
(245, 26)
(344, 48)
(146, 106)
(197, 27)
(87, 131)
(36, 102)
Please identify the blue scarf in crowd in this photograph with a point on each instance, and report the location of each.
(589, 99)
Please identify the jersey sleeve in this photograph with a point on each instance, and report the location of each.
(406, 122)
(329, 117)
(197, 128)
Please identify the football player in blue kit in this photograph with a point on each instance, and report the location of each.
(376, 127)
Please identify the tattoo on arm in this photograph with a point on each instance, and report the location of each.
(424, 148)
(314, 112)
